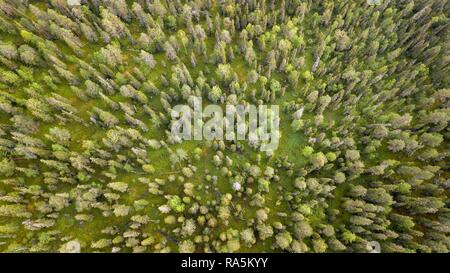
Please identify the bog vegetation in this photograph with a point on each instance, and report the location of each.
(87, 161)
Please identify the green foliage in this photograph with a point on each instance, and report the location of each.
(89, 163)
(263, 185)
(307, 151)
(175, 203)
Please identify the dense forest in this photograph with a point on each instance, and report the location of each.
(88, 162)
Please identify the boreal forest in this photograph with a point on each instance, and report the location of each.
(88, 162)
